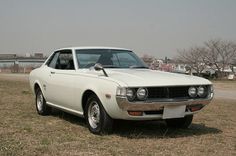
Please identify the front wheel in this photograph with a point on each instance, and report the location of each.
(41, 106)
(180, 122)
(98, 121)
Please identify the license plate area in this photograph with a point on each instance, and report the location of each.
(174, 112)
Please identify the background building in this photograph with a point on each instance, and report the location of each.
(20, 64)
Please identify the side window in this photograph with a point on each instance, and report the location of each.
(65, 60)
(53, 60)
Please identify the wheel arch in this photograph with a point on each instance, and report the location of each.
(101, 90)
(37, 85)
(87, 93)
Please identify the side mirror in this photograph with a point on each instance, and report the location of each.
(99, 67)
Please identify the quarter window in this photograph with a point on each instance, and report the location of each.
(65, 61)
(62, 60)
(52, 62)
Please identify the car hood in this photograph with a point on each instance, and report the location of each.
(147, 77)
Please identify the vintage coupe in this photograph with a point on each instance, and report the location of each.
(102, 84)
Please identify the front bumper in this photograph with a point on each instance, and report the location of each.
(153, 105)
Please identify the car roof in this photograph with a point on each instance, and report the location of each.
(92, 47)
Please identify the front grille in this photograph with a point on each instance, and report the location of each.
(168, 92)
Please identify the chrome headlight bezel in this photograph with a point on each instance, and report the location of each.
(201, 91)
(130, 94)
(211, 89)
(142, 93)
(192, 92)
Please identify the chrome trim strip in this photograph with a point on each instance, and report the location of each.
(77, 113)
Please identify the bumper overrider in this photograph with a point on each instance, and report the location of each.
(153, 105)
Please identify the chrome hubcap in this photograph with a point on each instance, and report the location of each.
(94, 114)
(39, 102)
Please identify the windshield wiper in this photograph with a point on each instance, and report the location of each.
(143, 67)
(110, 66)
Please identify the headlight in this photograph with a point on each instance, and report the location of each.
(130, 93)
(142, 93)
(201, 91)
(192, 91)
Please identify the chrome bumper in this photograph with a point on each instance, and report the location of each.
(124, 104)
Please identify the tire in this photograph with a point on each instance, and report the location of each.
(41, 106)
(97, 119)
(180, 122)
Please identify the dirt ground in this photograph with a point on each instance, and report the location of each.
(225, 89)
(24, 132)
(14, 77)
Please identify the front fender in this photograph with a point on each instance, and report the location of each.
(101, 87)
(33, 81)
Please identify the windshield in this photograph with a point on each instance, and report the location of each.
(108, 58)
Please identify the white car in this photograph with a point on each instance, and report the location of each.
(102, 84)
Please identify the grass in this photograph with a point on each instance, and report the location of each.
(24, 132)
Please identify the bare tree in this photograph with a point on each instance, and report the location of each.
(217, 54)
(220, 54)
(194, 57)
(147, 59)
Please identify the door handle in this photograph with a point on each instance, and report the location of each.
(52, 72)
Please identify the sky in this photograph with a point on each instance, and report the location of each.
(154, 27)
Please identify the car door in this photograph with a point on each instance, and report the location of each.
(61, 78)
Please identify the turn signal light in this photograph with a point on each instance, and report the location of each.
(193, 109)
(135, 113)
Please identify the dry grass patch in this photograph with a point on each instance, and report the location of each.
(23, 132)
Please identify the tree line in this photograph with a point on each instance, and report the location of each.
(217, 54)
